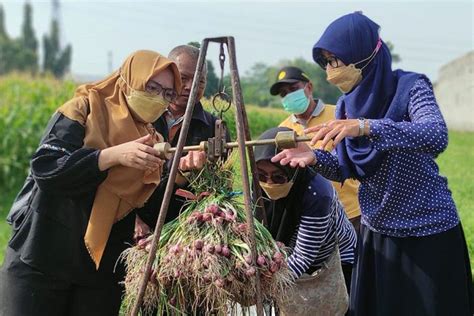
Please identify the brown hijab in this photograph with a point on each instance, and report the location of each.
(101, 107)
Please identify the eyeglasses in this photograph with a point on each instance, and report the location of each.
(157, 89)
(277, 178)
(324, 61)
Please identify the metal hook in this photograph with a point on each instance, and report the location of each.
(223, 108)
(221, 87)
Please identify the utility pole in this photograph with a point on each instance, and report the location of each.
(56, 16)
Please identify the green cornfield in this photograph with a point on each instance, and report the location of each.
(26, 104)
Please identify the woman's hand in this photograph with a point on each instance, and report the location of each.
(336, 130)
(137, 154)
(193, 160)
(301, 156)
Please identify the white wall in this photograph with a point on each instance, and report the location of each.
(454, 92)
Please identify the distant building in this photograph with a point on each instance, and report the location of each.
(454, 91)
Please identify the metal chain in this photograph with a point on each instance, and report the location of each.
(221, 87)
(221, 94)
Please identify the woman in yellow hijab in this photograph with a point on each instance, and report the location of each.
(75, 213)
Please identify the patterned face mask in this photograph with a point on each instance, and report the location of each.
(148, 107)
(347, 77)
(276, 191)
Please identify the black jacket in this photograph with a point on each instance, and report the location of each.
(50, 214)
(201, 128)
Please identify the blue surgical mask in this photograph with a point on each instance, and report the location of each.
(296, 102)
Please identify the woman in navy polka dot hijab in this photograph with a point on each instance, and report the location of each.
(412, 254)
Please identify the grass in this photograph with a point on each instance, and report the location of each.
(4, 236)
(457, 164)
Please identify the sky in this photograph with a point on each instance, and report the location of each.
(426, 34)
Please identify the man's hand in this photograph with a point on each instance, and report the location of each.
(301, 156)
(142, 230)
(193, 160)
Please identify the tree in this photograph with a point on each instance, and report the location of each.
(3, 30)
(395, 57)
(195, 44)
(9, 51)
(4, 44)
(56, 60)
(256, 84)
(18, 54)
(212, 80)
(28, 41)
(21, 54)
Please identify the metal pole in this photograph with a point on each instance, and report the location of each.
(172, 176)
(260, 213)
(248, 143)
(237, 95)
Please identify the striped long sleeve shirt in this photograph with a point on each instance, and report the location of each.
(322, 219)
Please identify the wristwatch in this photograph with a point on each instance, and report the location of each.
(361, 126)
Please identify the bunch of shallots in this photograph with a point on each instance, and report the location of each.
(204, 263)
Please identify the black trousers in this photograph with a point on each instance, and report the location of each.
(422, 276)
(25, 291)
(355, 221)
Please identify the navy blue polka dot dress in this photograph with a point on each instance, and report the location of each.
(412, 249)
(407, 196)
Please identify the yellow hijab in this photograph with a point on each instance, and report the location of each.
(101, 107)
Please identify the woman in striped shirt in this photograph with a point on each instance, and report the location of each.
(304, 213)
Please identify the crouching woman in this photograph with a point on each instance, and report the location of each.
(304, 212)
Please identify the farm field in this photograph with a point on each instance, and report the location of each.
(26, 105)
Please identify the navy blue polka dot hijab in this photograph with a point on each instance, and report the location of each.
(380, 94)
